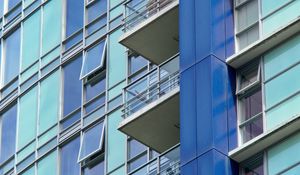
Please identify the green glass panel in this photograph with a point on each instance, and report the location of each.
(116, 59)
(119, 171)
(113, 3)
(27, 3)
(115, 141)
(27, 117)
(281, 18)
(282, 57)
(50, 56)
(293, 171)
(282, 86)
(269, 6)
(48, 165)
(49, 102)
(116, 12)
(47, 136)
(31, 40)
(283, 112)
(117, 90)
(283, 154)
(30, 171)
(26, 152)
(29, 72)
(52, 16)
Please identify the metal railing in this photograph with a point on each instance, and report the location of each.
(137, 11)
(152, 86)
(167, 163)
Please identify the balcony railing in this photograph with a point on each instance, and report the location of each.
(167, 163)
(152, 86)
(137, 11)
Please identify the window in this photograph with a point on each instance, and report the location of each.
(12, 56)
(137, 66)
(137, 154)
(250, 102)
(8, 134)
(92, 141)
(254, 165)
(72, 86)
(74, 23)
(48, 165)
(69, 155)
(95, 9)
(12, 3)
(94, 167)
(94, 59)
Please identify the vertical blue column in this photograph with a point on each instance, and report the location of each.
(207, 87)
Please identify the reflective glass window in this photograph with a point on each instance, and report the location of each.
(12, 3)
(31, 40)
(52, 16)
(12, 56)
(72, 85)
(94, 168)
(135, 148)
(48, 165)
(49, 101)
(69, 155)
(92, 141)
(95, 87)
(136, 63)
(96, 9)
(74, 20)
(94, 59)
(8, 133)
(27, 117)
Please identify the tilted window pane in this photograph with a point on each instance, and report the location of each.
(52, 16)
(12, 56)
(31, 40)
(74, 20)
(72, 85)
(248, 76)
(49, 101)
(94, 59)
(92, 141)
(96, 9)
(254, 165)
(48, 165)
(94, 169)
(27, 117)
(69, 155)
(95, 87)
(8, 133)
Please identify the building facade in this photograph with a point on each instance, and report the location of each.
(147, 87)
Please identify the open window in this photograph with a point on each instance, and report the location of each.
(250, 107)
(92, 141)
(94, 59)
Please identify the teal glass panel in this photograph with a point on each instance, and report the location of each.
(269, 6)
(49, 102)
(52, 16)
(293, 171)
(113, 3)
(27, 3)
(50, 56)
(47, 136)
(29, 72)
(27, 117)
(282, 155)
(30, 171)
(26, 151)
(281, 18)
(282, 86)
(31, 40)
(48, 165)
(119, 171)
(283, 112)
(282, 57)
(116, 12)
(115, 141)
(112, 93)
(116, 59)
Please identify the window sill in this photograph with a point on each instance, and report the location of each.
(262, 45)
(265, 140)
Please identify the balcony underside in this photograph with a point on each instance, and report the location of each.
(156, 38)
(157, 124)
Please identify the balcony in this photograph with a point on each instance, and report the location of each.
(167, 163)
(151, 107)
(151, 28)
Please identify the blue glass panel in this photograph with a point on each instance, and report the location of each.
(94, 88)
(8, 134)
(12, 59)
(93, 59)
(96, 103)
(69, 155)
(96, 9)
(135, 148)
(91, 140)
(12, 3)
(94, 169)
(1, 8)
(74, 20)
(72, 85)
(136, 63)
